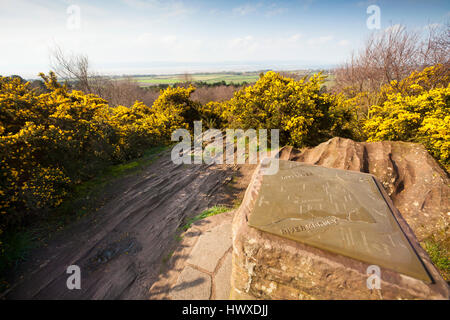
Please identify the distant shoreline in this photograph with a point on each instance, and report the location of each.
(174, 69)
(209, 77)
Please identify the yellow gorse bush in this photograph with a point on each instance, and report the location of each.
(53, 140)
(417, 109)
(304, 114)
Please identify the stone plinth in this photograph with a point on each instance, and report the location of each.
(309, 232)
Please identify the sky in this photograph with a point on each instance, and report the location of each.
(177, 36)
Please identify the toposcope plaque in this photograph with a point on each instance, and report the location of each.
(336, 210)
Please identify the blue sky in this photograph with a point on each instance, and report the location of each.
(152, 36)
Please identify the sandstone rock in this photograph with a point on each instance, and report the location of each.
(198, 282)
(418, 186)
(200, 267)
(222, 279)
(211, 247)
(267, 266)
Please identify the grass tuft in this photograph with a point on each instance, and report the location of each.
(205, 214)
(14, 250)
(439, 256)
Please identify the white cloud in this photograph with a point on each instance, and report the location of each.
(343, 43)
(164, 9)
(295, 37)
(246, 9)
(319, 40)
(240, 43)
(148, 38)
(306, 4)
(169, 39)
(139, 33)
(145, 37)
(268, 10)
(142, 4)
(365, 3)
(274, 10)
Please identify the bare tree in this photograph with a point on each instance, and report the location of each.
(126, 92)
(392, 54)
(75, 69)
(186, 79)
(436, 46)
(206, 94)
(291, 74)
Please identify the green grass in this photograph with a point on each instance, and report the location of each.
(178, 237)
(229, 78)
(440, 257)
(205, 214)
(236, 78)
(237, 203)
(156, 81)
(168, 256)
(14, 250)
(232, 79)
(110, 173)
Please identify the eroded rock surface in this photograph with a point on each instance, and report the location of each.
(418, 186)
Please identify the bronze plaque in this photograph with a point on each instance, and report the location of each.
(336, 210)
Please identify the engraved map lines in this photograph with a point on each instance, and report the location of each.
(323, 203)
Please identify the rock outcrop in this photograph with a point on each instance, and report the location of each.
(267, 266)
(418, 186)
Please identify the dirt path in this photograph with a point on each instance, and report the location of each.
(120, 247)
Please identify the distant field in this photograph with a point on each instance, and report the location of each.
(228, 77)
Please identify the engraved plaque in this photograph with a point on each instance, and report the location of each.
(335, 210)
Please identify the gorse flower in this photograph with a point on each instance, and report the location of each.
(304, 114)
(416, 109)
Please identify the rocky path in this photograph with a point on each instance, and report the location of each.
(120, 247)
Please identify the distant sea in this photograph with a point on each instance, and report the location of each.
(168, 67)
(159, 68)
